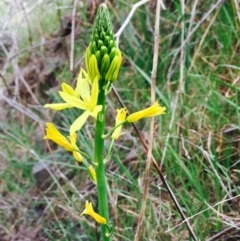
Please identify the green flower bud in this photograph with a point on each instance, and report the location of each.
(112, 43)
(113, 70)
(108, 58)
(102, 34)
(98, 56)
(100, 44)
(93, 68)
(113, 53)
(107, 40)
(105, 63)
(104, 50)
(93, 47)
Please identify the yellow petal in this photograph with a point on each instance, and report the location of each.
(59, 106)
(93, 68)
(89, 211)
(75, 102)
(69, 90)
(95, 111)
(86, 76)
(79, 122)
(73, 138)
(93, 173)
(53, 134)
(77, 156)
(121, 116)
(95, 90)
(83, 86)
(153, 110)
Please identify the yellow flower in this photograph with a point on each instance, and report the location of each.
(92, 173)
(153, 110)
(89, 211)
(69, 143)
(80, 98)
(121, 116)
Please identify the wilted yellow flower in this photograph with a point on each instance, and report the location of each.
(89, 211)
(121, 116)
(153, 110)
(92, 173)
(68, 143)
(80, 98)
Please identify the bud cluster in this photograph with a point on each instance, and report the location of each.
(103, 58)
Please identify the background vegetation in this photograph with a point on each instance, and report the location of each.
(197, 143)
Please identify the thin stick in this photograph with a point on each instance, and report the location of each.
(170, 71)
(182, 54)
(6, 85)
(149, 154)
(21, 108)
(206, 209)
(211, 9)
(73, 35)
(21, 77)
(174, 109)
(66, 49)
(202, 40)
(193, 13)
(181, 88)
(28, 24)
(237, 9)
(218, 235)
(134, 7)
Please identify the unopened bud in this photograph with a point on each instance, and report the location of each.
(113, 70)
(100, 44)
(105, 63)
(103, 47)
(98, 56)
(104, 50)
(93, 68)
(112, 53)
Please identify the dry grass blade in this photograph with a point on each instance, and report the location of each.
(149, 154)
(212, 8)
(189, 218)
(223, 232)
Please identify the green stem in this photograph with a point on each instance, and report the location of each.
(100, 169)
(113, 129)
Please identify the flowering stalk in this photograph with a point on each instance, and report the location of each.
(100, 168)
(103, 60)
